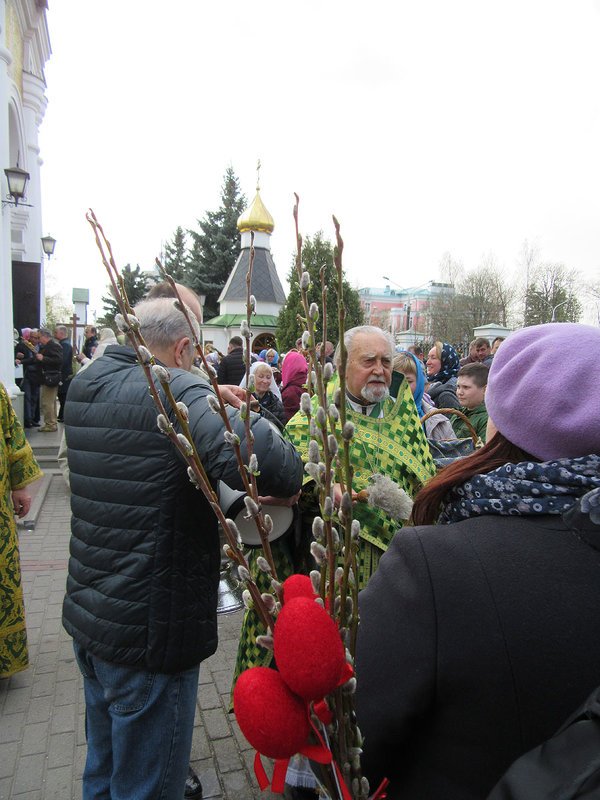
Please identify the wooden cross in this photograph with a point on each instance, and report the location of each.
(74, 325)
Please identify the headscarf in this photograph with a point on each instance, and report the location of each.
(420, 388)
(275, 357)
(273, 388)
(294, 365)
(450, 365)
(262, 356)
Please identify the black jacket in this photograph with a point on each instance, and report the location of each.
(270, 403)
(232, 368)
(89, 345)
(145, 556)
(476, 641)
(67, 361)
(52, 358)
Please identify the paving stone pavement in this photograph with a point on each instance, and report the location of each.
(42, 738)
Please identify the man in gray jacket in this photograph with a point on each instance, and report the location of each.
(144, 568)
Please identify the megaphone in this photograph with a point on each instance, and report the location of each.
(232, 503)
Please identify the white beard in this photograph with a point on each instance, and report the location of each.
(374, 393)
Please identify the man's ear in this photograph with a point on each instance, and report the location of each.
(180, 348)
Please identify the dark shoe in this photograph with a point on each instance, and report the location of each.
(193, 787)
(300, 793)
(36, 424)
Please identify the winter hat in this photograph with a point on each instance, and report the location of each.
(543, 391)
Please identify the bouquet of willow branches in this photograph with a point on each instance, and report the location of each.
(335, 533)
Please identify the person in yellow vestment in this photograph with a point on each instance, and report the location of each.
(18, 468)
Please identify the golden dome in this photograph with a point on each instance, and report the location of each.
(256, 217)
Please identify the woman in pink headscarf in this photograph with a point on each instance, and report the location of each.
(293, 378)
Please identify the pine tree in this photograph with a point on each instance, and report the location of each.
(176, 258)
(316, 252)
(136, 287)
(215, 250)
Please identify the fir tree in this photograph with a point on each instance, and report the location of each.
(136, 286)
(176, 258)
(316, 252)
(215, 250)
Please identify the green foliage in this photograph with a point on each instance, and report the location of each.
(215, 250)
(136, 287)
(175, 258)
(316, 253)
(551, 296)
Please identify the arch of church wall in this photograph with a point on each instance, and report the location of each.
(16, 130)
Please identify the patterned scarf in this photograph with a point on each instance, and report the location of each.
(450, 365)
(524, 489)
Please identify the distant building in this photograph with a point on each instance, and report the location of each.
(24, 50)
(403, 312)
(491, 331)
(265, 286)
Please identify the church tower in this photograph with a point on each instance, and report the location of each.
(265, 286)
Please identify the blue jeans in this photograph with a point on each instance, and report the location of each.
(138, 728)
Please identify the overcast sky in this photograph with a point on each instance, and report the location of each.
(426, 127)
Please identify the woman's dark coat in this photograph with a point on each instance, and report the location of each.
(476, 641)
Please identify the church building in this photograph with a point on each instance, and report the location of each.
(24, 50)
(265, 286)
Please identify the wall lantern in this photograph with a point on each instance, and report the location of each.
(48, 243)
(17, 181)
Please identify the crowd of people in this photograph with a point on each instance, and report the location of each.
(478, 619)
(46, 364)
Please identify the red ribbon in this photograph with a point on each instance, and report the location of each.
(381, 793)
(315, 752)
(259, 771)
(279, 771)
(322, 755)
(323, 712)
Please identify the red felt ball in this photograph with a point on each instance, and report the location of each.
(308, 650)
(297, 586)
(272, 718)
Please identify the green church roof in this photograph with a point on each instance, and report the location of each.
(235, 320)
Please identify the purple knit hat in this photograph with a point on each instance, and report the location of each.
(543, 390)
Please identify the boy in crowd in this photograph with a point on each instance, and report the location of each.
(470, 390)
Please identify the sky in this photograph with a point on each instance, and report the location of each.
(426, 126)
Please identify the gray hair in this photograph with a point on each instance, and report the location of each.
(61, 329)
(350, 334)
(45, 332)
(162, 323)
